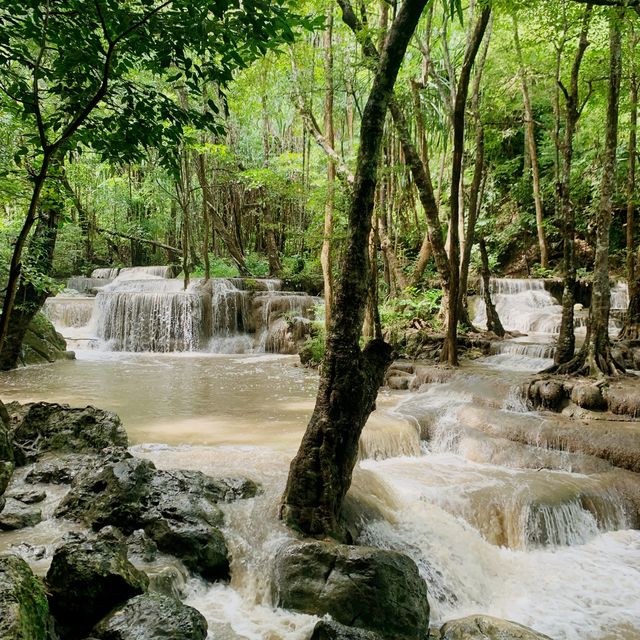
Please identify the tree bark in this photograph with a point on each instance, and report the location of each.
(533, 150)
(325, 253)
(595, 359)
(320, 474)
(565, 346)
(493, 319)
(449, 352)
(631, 328)
(29, 296)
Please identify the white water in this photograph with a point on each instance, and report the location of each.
(490, 532)
(142, 309)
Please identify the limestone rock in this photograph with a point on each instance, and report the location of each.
(6, 458)
(152, 615)
(17, 515)
(90, 577)
(44, 426)
(330, 630)
(479, 627)
(372, 589)
(588, 396)
(28, 496)
(23, 605)
(176, 509)
(42, 343)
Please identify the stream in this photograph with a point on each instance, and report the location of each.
(522, 530)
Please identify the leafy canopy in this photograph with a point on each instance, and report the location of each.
(101, 72)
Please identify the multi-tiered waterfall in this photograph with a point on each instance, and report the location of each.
(528, 516)
(145, 309)
(527, 307)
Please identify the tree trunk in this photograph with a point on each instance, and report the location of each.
(595, 359)
(29, 296)
(320, 474)
(565, 346)
(449, 352)
(325, 253)
(83, 217)
(631, 329)
(493, 319)
(533, 150)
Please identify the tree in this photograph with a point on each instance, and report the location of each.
(320, 473)
(95, 74)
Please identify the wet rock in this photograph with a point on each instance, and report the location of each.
(23, 605)
(28, 496)
(547, 394)
(623, 398)
(6, 458)
(588, 396)
(487, 628)
(42, 343)
(43, 426)
(17, 515)
(152, 615)
(170, 581)
(90, 577)
(140, 545)
(372, 589)
(399, 382)
(64, 468)
(330, 630)
(177, 509)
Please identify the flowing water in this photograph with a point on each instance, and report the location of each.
(501, 517)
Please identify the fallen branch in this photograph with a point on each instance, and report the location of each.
(119, 234)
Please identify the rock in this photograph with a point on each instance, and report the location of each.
(17, 515)
(90, 577)
(140, 545)
(28, 496)
(55, 468)
(399, 382)
(177, 509)
(330, 630)
(42, 343)
(23, 605)
(6, 458)
(44, 426)
(152, 615)
(487, 628)
(547, 394)
(588, 396)
(372, 589)
(170, 581)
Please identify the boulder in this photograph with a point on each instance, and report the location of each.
(479, 627)
(44, 426)
(328, 629)
(6, 458)
(152, 615)
(24, 612)
(588, 396)
(56, 468)
(42, 343)
(363, 587)
(90, 577)
(17, 515)
(176, 509)
(28, 496)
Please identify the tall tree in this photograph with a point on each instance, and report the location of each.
(67, 71)
(320, 473)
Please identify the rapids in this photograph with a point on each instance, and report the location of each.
(506, 512)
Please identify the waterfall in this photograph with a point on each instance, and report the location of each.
(619, 296)
(105, 273)
(69, 311)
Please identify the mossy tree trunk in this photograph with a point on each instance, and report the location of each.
(34, 285)
(320, 474)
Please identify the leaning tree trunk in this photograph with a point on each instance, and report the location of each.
(29, 296)
(320, 474)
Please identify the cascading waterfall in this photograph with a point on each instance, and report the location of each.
(145, 309)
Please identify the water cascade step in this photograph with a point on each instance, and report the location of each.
(146, 309)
